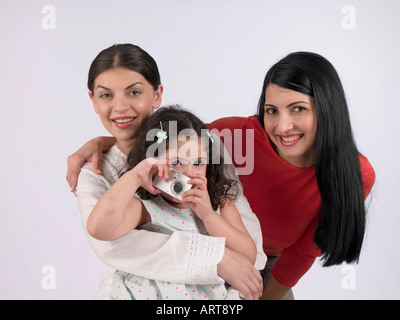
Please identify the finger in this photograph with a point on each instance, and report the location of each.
(74, 167)
(255, 281)
(160, 169)
(255, 285)
(96, 159)
(198, 183)
(245, 291)
(199, 177)
(165, 171)
(190, 200)
(251, 289)
(197, 193)
(260, 281)
(154, 191)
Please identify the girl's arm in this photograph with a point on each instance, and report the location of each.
(118, 211)
(229, 224)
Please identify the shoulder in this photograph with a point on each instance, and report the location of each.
(228, 123)
(240, 123)
(112, 165)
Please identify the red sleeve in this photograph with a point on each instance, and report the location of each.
(368, 175)
(297, 259)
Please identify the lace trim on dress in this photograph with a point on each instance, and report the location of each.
(196, 257)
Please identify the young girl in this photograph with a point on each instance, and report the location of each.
(206, 208)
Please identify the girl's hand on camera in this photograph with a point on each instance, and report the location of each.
(198, 198)
(146, 169)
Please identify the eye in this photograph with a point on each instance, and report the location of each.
(134, 93)
(270, 111)
(175, 162)
(105, 95)
(198, 163)
(298, 109)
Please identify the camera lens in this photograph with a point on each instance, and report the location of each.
(178, 187)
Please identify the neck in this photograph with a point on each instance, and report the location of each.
(304, 161)
(125, 146)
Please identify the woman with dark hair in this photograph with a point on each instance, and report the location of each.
(125, 88)
(309, 180)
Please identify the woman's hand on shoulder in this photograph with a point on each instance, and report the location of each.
(92, 152)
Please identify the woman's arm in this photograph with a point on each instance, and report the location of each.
(92, 152)
(274, 290)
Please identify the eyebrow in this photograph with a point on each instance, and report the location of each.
(288, 106)
(128, 87)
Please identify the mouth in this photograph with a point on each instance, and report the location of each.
(123, 122)
(290, 140)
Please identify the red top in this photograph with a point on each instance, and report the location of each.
(285, 198)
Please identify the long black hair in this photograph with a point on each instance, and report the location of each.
(341, 227)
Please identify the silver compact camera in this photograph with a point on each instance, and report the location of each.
(175, 186)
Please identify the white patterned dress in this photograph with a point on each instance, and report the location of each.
(165, 219)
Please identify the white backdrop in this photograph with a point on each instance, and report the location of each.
(212, 55)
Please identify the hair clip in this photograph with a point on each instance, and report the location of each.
(161, 135)
(209, 136)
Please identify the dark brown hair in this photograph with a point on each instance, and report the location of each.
(220, 184)
(127, 56)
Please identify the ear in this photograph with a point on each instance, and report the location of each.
(94, 104)
(158, 97)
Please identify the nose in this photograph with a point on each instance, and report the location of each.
(188, 170)
(121, 104)
(285, 123)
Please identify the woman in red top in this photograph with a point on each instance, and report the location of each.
(309, 181)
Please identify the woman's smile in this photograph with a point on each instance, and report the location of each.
(290, 139)
(123, 122)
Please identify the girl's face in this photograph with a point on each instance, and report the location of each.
(189, 158)
(123, 99)
(290, 120)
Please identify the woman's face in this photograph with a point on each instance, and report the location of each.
(290, 120)
(123, 99)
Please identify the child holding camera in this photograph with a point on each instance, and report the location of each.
(207, 207)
